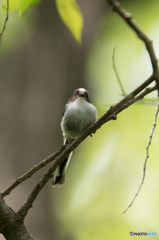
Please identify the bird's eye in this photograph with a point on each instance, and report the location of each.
(76, 93)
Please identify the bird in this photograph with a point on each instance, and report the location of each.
(79, 113)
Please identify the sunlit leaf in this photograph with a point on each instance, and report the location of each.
(20, 5)
(71, 16)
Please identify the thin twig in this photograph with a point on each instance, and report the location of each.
(119, 81)
(5, 22)
(147, 156)
(136, 99)
(116, 73)
(33, 170)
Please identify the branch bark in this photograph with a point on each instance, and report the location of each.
(11, 224)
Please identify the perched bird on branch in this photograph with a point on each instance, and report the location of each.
(78, 115)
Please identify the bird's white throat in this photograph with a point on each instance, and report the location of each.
(77, 117)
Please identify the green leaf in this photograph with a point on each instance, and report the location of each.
(71, 16)
(20, 5)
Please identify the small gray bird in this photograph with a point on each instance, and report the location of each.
(78, 115)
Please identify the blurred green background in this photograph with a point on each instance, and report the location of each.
(41, 65)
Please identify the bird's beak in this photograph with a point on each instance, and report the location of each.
(81, 95)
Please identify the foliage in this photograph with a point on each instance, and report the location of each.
(71, 16)
(68, 11)
(20, 5)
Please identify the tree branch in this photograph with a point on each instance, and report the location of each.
(127, 17)
(5, 22)
(109, 115)
(33, 170)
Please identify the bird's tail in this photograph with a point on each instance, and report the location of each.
(59, 174)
